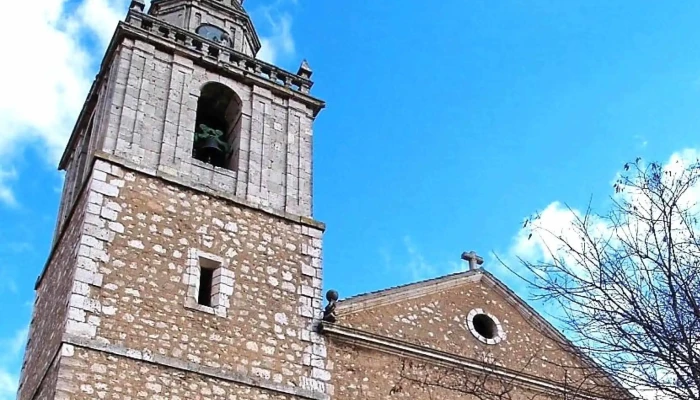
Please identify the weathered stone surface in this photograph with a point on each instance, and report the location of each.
(433, 324)
(140, 218)
(273, 164)
(50, 312)
(90, 374)
(132, 286)
(360, 373)
(439, 321)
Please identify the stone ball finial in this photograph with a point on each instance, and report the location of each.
(332, 296)
(329, 312)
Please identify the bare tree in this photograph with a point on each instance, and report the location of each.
(627, 281)
(439, 380)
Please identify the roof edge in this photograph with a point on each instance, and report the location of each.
(386, 344)
(408, 291)
(366, 301)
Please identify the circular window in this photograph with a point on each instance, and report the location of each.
(485, 327)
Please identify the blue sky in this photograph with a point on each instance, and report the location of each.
(447, 123)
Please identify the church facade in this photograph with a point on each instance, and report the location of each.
(187, 263)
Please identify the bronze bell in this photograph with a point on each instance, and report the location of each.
(209, 151)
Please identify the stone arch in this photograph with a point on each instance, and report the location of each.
(219, 113)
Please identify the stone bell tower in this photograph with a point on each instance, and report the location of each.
(186, 261)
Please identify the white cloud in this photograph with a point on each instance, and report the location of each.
(14, 346)
(46, 80)
(417, 266)
(11, 350)
(101, 16)
(6, 194)
(558, 220)
(8, 385)
(280, 42)
(410, 263)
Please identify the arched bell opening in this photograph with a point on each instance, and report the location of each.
(218, 126)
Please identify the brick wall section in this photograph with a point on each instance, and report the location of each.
(50, 304)
(152, 120)
(96, 375)
(138, 301)
(360, 373)
(437, 321)
(47, 389)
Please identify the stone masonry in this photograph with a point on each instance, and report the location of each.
(131, 298)
(39, 370)
(157, 92)
(419, 342)
(233, 20)
(143, 106)
(438, 322)
(120, 311)
(172, 278)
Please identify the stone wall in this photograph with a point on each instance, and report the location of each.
(92, 374)
(48, 387)
(152, 121)
(140, 231)
(87, 137)
(50, 304)
(438, 321)
(230, 18)
(361, 373)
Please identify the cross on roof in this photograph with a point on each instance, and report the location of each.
(473, 259)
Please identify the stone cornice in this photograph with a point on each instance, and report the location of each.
(239, 13)
(246, 69)
(182, 365)
(297, 219)
(200, 49)
(401, 348)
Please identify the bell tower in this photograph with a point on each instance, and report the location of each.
(186, 260)
(220, 20)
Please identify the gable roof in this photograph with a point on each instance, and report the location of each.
(408, 291)
(414, 290)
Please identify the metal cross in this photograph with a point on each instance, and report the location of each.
(473, 259)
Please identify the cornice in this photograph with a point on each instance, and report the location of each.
(252, 70)
(397, 347)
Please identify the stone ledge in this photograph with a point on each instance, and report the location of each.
(207, 190)
(100, 155)
(194, 306)
(170, 362)
(129, 29)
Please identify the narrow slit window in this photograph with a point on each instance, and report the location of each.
(209, 283)
(206, 280)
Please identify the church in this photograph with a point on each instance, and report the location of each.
(187, 263)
